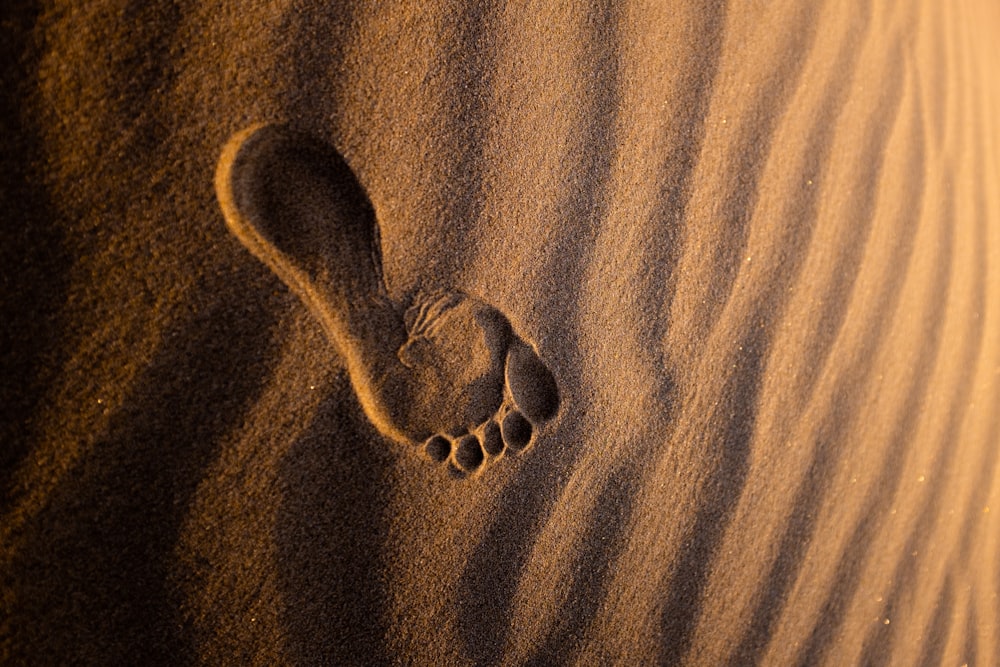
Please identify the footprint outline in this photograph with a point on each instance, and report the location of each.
(296, 205)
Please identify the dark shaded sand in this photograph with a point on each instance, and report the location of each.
(601, 334)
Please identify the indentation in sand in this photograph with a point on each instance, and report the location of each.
(445, 369)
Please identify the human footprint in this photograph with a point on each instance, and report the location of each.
(446, 371)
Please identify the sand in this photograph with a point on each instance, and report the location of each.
(734, 267)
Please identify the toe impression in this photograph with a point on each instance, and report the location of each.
(468, 453)
(531, 383)
(516, 430)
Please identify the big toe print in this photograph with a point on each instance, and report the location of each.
(445, 371)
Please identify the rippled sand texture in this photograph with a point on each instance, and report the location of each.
(757, 246)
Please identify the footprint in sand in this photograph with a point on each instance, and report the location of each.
(446, 371)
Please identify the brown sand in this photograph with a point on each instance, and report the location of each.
(756, 244)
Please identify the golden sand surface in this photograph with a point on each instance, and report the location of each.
(733, 265)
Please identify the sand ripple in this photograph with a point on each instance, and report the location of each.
(758, 247)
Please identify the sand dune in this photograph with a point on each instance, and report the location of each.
(755, 247)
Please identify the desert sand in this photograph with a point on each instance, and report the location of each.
(577, 333)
